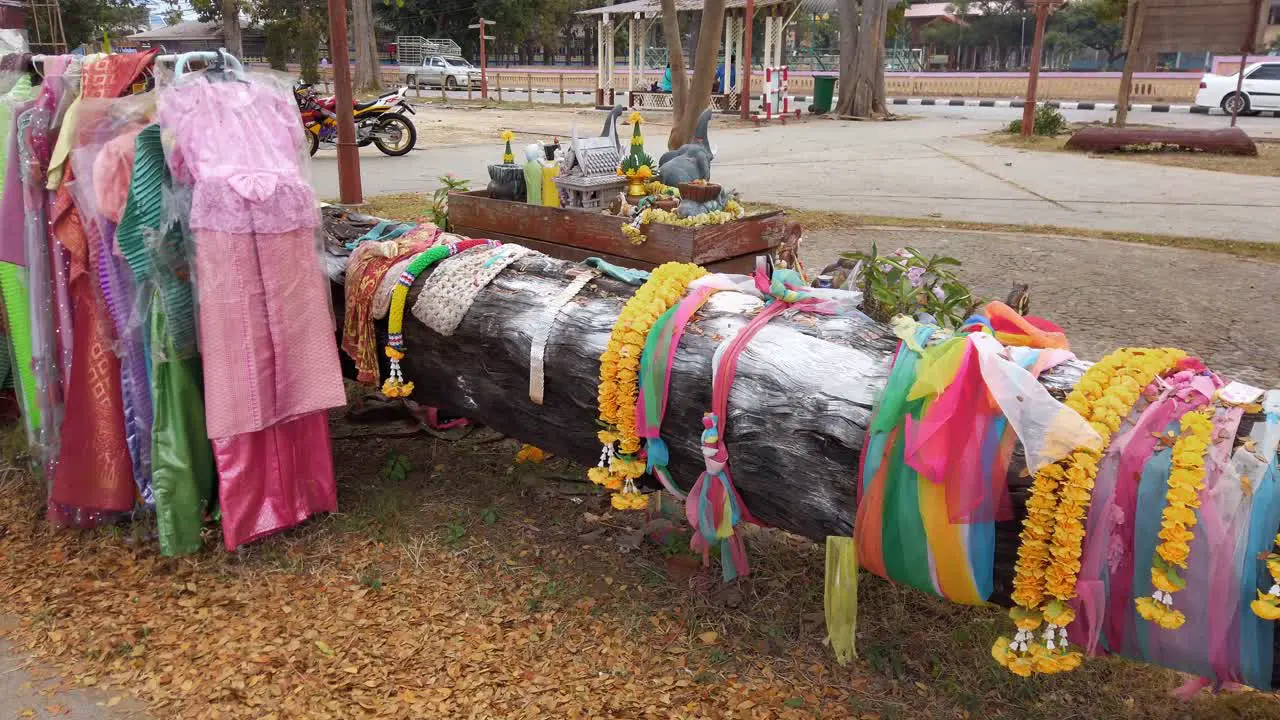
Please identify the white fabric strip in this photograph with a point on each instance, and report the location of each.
(542, 333)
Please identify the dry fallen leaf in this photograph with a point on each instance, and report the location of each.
(709, 637)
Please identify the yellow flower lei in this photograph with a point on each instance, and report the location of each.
(1053, 530)
(1186, 480)
(619, 381)
(1267, 606)
(732, 211)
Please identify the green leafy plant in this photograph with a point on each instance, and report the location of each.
(438, 212)
(454, 532)
(395, 467)
(1048, 122)
(907, 282)
(489, 515)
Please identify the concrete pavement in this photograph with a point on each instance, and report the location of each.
(929, 166)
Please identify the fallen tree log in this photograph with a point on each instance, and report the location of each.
(798, 410)
(1225, 141)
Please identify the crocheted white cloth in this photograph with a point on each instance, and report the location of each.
(452, 288)
(382, 298)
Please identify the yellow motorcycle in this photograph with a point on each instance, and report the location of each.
(381, 122)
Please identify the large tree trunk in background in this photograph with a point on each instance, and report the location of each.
(679, 75)
(862, 60)
(798, 409)
(368, 75)
(696, 95)
(848, 13)
(231, 28)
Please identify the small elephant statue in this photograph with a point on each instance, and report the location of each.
(691, 161)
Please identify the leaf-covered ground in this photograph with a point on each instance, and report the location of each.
(457, 584)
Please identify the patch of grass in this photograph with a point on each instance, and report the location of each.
(831, 220)
(1266, 164)
(405, 207)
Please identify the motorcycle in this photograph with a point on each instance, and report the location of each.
(380, 122)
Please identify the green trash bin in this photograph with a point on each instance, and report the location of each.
(824, 89)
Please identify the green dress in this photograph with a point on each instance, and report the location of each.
(183, 475)
(13, 283)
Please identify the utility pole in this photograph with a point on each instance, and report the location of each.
(349, 191)
(1033, 76)
(484, 75)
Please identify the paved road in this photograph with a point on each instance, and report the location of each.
(932, 167)
(30, 690)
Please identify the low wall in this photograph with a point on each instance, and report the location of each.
(1147, 87)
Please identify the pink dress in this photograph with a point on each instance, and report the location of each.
(266, 332)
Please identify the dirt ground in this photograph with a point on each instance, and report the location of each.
(1109, 294)
(460, 123)
(468, 124)
(456, 583)
(1267, 162)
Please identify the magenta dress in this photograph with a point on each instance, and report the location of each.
(265, 326)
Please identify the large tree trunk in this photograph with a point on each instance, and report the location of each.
(862, 59)
(798, 410)
(231, 28)
(368, 75)
(694, 95)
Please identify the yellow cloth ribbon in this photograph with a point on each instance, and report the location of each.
(840, 597)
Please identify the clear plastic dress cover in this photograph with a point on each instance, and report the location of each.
(15, 92)
(35, 145)
(263, 319)
(238, 155)
(101, 160)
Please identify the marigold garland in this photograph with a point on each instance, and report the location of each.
(1186, 480)
(1267, 606)
(732, 211)
(619, 381)
(1053, 530)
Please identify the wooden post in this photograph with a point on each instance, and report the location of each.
(1033, 77)
(349, 191)
(497, 80)
(529, 86)
(561, 76)
(484, 66)
(1133, 22)
(443, 97)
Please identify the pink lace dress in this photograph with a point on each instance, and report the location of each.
(266, 332)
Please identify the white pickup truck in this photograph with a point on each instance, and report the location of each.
(451, 72)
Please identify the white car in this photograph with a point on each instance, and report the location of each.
(451, 72)
(1260, 91)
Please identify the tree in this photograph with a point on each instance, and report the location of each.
(862, 32)
(84, 21)
(364, 41)
(293, 29)
(689, 97)
(231, 27)
(1094, 24)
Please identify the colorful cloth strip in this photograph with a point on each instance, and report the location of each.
(714, 508)
(935, 464)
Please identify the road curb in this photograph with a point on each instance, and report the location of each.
(1066, 105)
